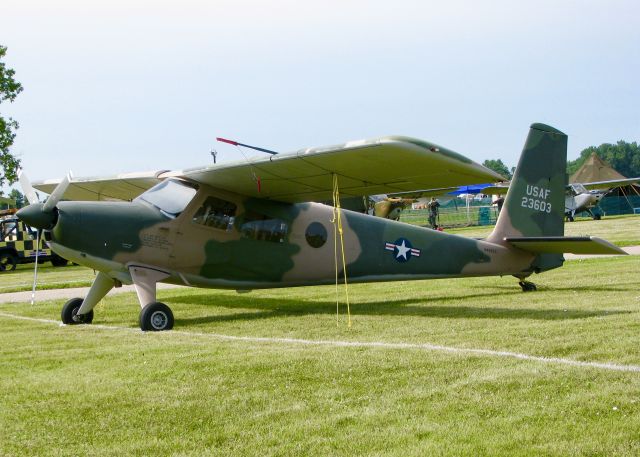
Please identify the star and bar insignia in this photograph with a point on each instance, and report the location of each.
(402, 249)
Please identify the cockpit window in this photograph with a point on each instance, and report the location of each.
(216, 213)
(170, 196)
(578, 189)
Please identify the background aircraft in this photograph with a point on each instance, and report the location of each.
(256, 225)
(586, 196)
(579, 197)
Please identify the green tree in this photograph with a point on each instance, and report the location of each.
(9, 89)
(498, 166)
(18, 197)
(623, 157)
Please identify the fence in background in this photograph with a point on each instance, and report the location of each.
(480, 212)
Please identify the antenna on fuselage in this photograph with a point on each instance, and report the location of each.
(235, 143)
(214, 154)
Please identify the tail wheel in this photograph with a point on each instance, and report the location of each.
(7, 261)
(528, 286)
(69, 314)
(156, 317)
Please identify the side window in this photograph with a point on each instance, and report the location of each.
(216, 213)
(9, 230)
(264, 228)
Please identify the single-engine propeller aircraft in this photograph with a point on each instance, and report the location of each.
(256, 225)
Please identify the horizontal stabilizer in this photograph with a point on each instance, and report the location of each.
(565, 244)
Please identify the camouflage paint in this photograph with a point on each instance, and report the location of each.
(112, 236)
(534, 205)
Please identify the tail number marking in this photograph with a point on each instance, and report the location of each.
(536, 199)
(538, 205)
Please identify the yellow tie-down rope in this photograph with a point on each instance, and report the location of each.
(337, 222)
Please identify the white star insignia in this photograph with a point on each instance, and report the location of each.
(402, 250)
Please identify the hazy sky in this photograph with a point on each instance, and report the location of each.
(132, 85)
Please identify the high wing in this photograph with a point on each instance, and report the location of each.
(605, 185)
(367, 167)
(120, 187)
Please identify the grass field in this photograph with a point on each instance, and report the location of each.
(49, 277)
(109, 389)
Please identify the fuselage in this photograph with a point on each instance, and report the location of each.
(224, 240)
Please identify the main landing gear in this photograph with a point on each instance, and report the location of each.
(154, 316)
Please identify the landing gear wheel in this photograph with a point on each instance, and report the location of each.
(7, 262)
(70, 316)
(570, 218)
(156, 317)
(597, 217)
(528, 286)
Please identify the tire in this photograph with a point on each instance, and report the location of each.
(58, 261)
(156, 317)
(528, 286)
(69, 314)
(597, 217)
(7, 261)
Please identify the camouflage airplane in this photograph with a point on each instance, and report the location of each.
(256, 225)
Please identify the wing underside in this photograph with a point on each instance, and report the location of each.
(604, 185)
(380, 166)
(368, 167)
(116, 188)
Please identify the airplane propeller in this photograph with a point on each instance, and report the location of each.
(57, 193)
(27, 188)
(40, 215)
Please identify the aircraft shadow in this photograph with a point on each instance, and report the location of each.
(268, 308)
(594, 287)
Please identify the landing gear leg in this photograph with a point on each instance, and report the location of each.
(527, 286)
(79, 311)
(154, 316)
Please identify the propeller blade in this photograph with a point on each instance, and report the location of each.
(27, 189)
(57, 193)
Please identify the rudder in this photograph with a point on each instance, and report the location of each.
(534, 205)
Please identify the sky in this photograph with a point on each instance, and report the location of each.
(123, 86)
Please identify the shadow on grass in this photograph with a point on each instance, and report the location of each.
(256, 307)
(619, 287)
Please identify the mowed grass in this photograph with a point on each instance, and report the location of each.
(619, 230)
(92, 390)
(49, 277)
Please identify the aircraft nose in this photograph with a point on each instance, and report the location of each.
(35, 216)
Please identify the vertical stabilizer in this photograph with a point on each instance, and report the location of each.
(534, 205)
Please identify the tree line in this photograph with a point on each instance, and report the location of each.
(623, 157)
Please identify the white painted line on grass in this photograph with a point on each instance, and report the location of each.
(361, 344)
